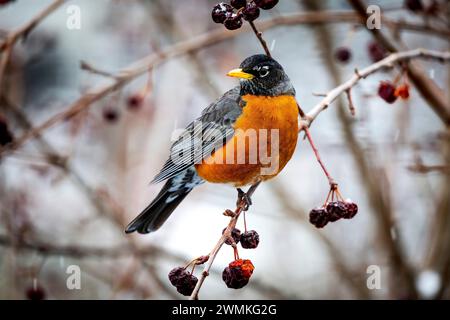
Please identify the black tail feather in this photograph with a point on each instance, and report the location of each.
(157, 212)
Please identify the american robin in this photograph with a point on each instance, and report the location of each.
(262, 107)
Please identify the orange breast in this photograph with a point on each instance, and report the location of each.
(265, 138)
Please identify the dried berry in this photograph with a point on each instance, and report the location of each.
(183, 280)
(3, 2)
(351, 211)
(386, 91)
(266, 4)
(318, 217)
(233, 21)
(135, 101)
(219, 12)
(235, 234)
(249, 239)
(238, 3)
(414, 5)
(35, 293)
(343, 54)
(336, 210)
(110, 115)
(238, 273)
(251, 12)
(433, 8)
(402, 91)
(5, 135)
(376, 51)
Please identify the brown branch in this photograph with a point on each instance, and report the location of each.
(260, 38)
(386, 62)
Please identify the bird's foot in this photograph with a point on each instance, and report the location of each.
(243, 197)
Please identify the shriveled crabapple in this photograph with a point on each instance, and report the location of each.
(238, 273)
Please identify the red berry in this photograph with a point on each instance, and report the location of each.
(250, 239)
(266, 4)
(35, 293)
(134, 102)
(235, 234)
(376, 51)
(251, 12)
(219, 12)
(238, 273)
(5, 135)
(233, 21)
(183, 280)
(318, 217)
(386, 91)
(414, 5)
(352, 210)
(238, 3)
(336, 210)
(343, 54)
(110, 115)
(402, 91)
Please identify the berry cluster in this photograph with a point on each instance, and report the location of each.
(183, 280)
(375, 51)
(248, 239)
(389, 92)
(333, 210)
(231, 15)
(238, 273)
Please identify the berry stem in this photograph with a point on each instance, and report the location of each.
(260, 38)
(331, 181)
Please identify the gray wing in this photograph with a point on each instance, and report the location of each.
(204, 135)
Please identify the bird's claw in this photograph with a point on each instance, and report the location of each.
(243, 197)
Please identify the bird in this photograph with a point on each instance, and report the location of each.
(263, 101)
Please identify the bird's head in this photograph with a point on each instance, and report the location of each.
(263, 76)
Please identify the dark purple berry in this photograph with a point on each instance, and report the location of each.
(336, 210)
(35, 293)
(414, 5)
(266, 4)
(134, 102)
(3, 2)
(110, 115)
(376, 51)
(343, 54)
(251, 12)
(352, 210)
(183, 280)
(250, 239)
(238, 3)
(386, 91)
(318, 217)
(175, 274)
(5, 135)
(238, 273)
(219, 12)
(235, 234)
(233, 21)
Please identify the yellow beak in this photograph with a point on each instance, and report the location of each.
(238, 73)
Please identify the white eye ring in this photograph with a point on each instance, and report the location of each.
(264, 72)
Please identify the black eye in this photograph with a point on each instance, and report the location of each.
(264, 71)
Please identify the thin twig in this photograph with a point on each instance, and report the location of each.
(226, 234)
(260, 38)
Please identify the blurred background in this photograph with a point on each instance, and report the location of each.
(67, 194)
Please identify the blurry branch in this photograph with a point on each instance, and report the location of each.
(138, 68)
(422, 168)
(7, 45)
(427, 87)
(374, 178)
(226, 235)
(387, 62)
